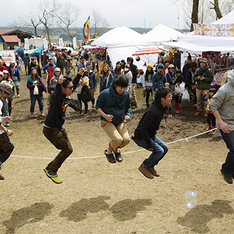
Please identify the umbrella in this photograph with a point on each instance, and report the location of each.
(147, 51)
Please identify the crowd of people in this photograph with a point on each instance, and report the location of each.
(163, 80)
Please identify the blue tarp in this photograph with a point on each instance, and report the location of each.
(37, 50)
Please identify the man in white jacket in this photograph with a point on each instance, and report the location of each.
(222, 108)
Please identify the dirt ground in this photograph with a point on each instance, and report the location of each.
(99, 197)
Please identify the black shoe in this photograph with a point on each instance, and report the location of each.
(110, 157)
(118, 156)
(233, 175)
(1, 177)
(227, 177)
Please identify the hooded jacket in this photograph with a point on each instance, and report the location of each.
(223, 102)
(134, 70)
(207, 74)
(149, 123)
(114, 104)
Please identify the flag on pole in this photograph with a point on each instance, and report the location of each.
(61, 42)
(26, 44)
(86, 30)
(74, 43)
(45, 42)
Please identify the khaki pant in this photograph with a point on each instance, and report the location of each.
(133, 98)
(200, 93)
(119, 135)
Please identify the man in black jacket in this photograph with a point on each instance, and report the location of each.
(145, 133)
(54, 121)
(134, 71)
(33, 64)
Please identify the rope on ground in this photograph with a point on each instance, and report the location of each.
(129, 152)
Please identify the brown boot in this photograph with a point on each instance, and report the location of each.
(1, 177)
(153, 171)
(145, 172)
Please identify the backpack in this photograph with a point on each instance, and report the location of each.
(85, 94)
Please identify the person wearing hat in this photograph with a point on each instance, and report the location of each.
(34, 64)
(171, 75)
(15, 76)
(6, 147)
(147, 83)
(222, 108)
(68, 66)
(158, 79)
(128, 74)
(225, 77)
(2, 67)
(50, 71)
(92, 82)
(57, 73)
(82, 63)
(203, 76)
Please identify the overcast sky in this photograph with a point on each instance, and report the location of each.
(130, 13)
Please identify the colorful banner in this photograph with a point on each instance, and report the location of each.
(74, 43)
(86, 30)
(45, 42)
(61, 42)
(8, 56)
(26, 44)
(214, 30)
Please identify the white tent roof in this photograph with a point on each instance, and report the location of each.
(122, 37)
(122, 42)
(162, 33)
(198, 43)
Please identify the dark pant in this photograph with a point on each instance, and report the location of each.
(228, 166)
(148, 92)
(85, 103)
(177, 98)
(211, 119)
(58, 137)
(33, 101)
(6, 147)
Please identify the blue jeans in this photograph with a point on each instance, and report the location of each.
(33, 101)
(5, 107)
(228, 166)
(159, 151)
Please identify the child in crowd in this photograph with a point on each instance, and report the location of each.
(147, 82)
(178, 80)
(139, 80)
(210, 115)
(168, 115)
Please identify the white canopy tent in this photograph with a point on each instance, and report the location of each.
(122, 42)
(195, 44)
(162, 33)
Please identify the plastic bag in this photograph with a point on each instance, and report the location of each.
(36, 90)
(186, 96)
(177, 90)
(182, 87)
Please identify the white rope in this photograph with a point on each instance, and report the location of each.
(129, 152)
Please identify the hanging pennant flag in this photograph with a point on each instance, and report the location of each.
(61, 42)
(45, 42)
(74, 43)
(86, 30)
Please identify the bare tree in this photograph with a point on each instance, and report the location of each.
(215, 6)
(47, 14)
(67, 17)
(98, 23)
(194, 14)
(28, 24)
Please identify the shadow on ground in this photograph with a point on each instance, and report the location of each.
(198, 217)
(32, 214)
(127, 209)
(79, 210)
